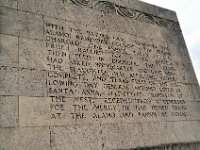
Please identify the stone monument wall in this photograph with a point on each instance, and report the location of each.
(95, 75)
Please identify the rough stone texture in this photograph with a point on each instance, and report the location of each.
(32, 82)
(32, 54)
(76, 137)
(25, 138)
(146, 134)
(8, 111)
(20, 23)
(8, 81)
(95, 75)
(34, 138)
(9, 3)
(8, 50)
(8, 139)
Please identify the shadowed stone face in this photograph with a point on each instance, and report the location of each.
(95, 75)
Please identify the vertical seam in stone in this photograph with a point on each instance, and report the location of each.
(18, 77)
(198, 91)
(47, 94)
(18, 70)
(101, 136)
(50, 143)
(191, 89)
(17, 5)
(43, 25)
(45, 49)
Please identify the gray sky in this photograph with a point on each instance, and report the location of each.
(189, 17)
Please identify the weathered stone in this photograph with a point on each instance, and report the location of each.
(25, 138)
(8, 81)
(76, 137)
(34, 138)
(58, 9)
(32, 82)
(145, 134)
(8, 139)
(8, 50)
(8, 111)
(20, 23)
(32, 54)
(33, 111)
(95, 75)
(9, 3)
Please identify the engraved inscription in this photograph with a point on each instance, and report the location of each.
(111, 77)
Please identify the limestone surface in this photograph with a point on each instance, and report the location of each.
(95, 75)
